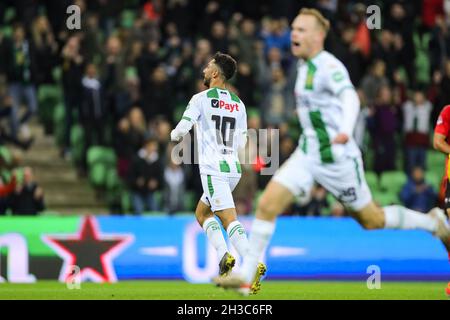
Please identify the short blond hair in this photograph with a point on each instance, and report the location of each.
(322, 21)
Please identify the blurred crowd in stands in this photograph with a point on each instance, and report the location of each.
(128, 73)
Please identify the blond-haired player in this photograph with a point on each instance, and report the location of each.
(327, 106)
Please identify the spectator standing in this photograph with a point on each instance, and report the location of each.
(144, 177)
(382, 123)
(174, 186)
(21, 66)
(114, 77)
(28, 197)
(46, 49)
(92, 111)
(373, 81)
(128, 139)
(158, 97)
(416, 120)
(416, 194)
(72, 72)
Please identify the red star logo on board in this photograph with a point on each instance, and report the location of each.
(90, 250)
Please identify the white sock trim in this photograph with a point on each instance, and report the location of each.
(233, 227)
(214, 234)
(209, 223)
(238, 237)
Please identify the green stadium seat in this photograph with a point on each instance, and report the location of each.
(76, 134)
(5, 155)
(48, 91)
(19, 174)
(179, 110)
(77, 143)
(189, 201)
(6, 175)
(393, 181)
(6, 31)
(385, 198)
(435, 161)
(253, 112)
(372, 180)
(101, 154)
(97, 174)
(9, 14)
(59, 124)
(49, 96)
(113, 181)
(101, 162)
(433, 179)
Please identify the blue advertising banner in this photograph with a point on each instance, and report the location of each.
(176, 247)
(109, 249)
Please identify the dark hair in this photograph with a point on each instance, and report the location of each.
(226, 63)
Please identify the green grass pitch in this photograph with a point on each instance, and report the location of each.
(180, 290)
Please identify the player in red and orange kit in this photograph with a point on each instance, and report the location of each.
(441, 142)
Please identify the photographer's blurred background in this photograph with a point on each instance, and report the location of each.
(85, 115)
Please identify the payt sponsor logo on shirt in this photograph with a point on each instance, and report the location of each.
(215, 103)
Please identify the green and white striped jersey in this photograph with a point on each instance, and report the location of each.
(220, 120)
(319, 83)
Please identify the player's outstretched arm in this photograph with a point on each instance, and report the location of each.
(190, 116)
(181, 129)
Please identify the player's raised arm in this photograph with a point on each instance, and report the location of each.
(190, 116)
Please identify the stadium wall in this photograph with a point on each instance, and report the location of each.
(109, 249)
